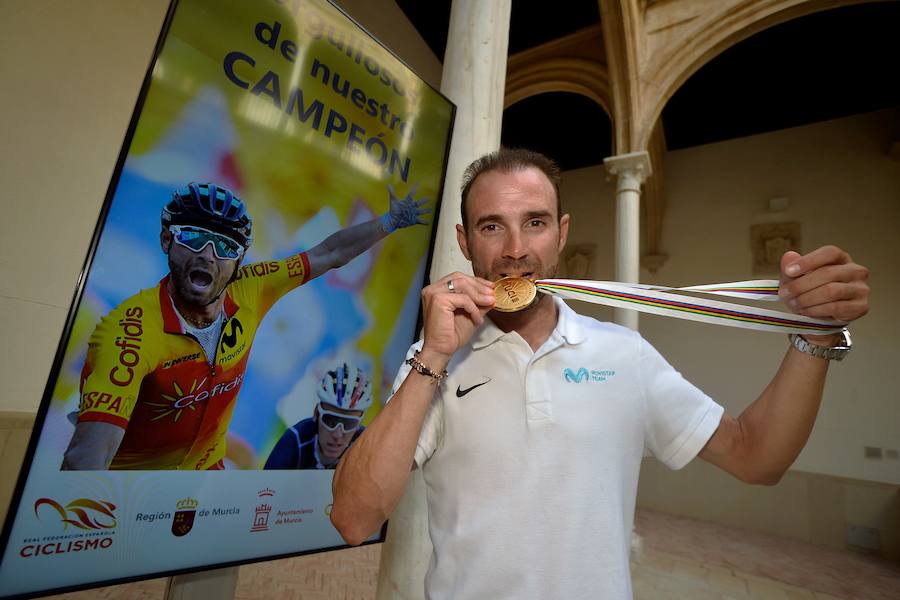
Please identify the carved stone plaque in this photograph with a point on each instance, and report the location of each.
(769, 242)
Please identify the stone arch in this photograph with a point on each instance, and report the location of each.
(577, 75)
(711, 38)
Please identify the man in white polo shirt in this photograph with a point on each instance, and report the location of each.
(530, 426)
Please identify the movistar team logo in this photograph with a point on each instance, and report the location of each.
(582, 374)
(230, 335)
(232, 342)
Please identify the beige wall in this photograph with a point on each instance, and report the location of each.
(77, 68)
(72, 73)
(844, 189)
(809, 507)
(15, 430)
(384, 20)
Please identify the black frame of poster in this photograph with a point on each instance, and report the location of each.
(15, 502)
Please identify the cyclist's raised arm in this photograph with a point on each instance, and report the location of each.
(343, 246)
(93, 446)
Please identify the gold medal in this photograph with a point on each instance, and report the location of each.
(513, 293)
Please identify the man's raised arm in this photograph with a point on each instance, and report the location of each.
(372, 475)
(765, 440)
(343, 246)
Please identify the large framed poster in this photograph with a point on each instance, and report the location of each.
(251, 290)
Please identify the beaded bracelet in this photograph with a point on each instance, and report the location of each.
(419, 366)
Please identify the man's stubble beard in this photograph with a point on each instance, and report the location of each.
(494, 273)
(182, 286)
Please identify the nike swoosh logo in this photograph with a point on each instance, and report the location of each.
(462, 392)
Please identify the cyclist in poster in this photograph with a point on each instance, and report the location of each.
(164, 368)
(318, 442)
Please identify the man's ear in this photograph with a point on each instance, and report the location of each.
(563, 232)
(165, 239)
(461, 240)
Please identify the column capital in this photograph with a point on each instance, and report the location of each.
(635, 164)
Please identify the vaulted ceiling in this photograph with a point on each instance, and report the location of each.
(826, 65)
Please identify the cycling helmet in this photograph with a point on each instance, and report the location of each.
(212, 207)
(346, 387)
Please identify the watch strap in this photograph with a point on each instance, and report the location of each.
(825, 352)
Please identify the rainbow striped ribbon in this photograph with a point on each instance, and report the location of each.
(659, 300)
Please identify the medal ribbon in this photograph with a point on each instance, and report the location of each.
(660, 300)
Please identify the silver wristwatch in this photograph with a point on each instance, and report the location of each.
(833, 353)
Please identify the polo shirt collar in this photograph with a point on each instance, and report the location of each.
(567, 327)
(486, 335)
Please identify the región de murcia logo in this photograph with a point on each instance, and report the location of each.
(183, 521)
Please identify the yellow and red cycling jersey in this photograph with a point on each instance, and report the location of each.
(143, 373)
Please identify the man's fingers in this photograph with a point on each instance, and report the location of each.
(825, 294)
(792, 288)
(458, 275)
(820, 257)
(480, 290)
(423, 210)
(391, 191)
(481, 294)
(841, 301)
(464, 303)
(824, 283)
(787, 260)
(844, 312)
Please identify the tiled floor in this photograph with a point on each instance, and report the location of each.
(711, 561)
(678, 559)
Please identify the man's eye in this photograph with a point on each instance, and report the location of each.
(536, 223)
(490, 227)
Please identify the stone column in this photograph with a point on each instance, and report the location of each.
(630, 171)
(473, 78)
(216, 583)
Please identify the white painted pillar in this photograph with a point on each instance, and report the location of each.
(473, 78)
(630, 171)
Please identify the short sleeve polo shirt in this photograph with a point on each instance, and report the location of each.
(531, 459)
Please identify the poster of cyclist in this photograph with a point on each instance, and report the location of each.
(252, 289)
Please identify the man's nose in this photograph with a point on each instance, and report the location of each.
(208, 252)
(513, 246)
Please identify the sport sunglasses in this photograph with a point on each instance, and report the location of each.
(332, 420)
(196, 238)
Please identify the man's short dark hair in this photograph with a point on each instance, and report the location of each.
(509, 160)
